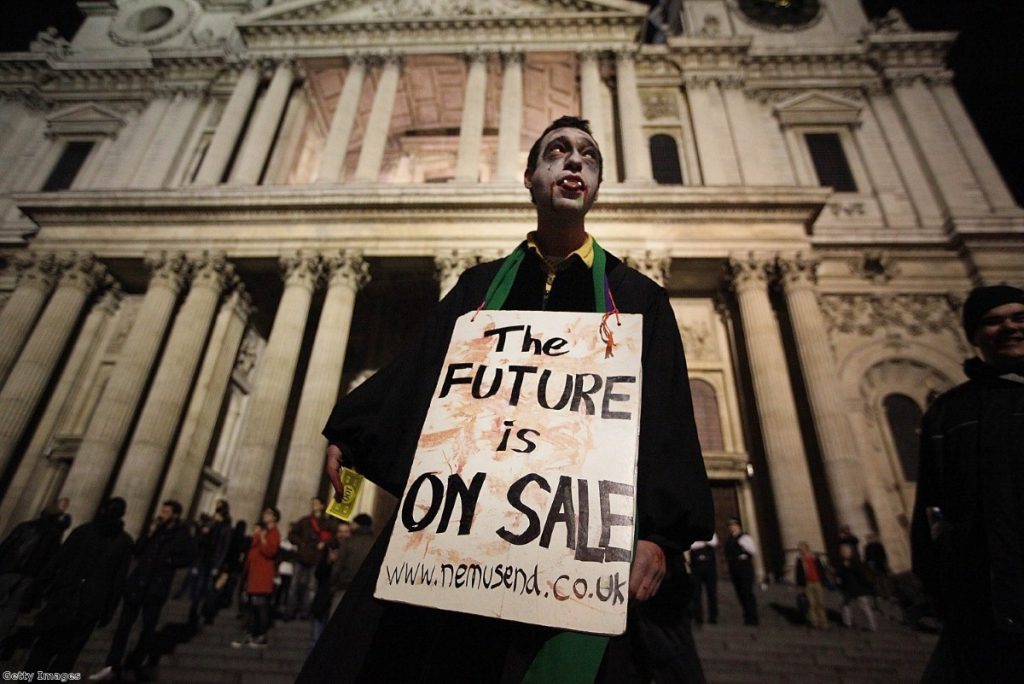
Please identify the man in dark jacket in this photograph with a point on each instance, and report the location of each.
(163, 548)
(310, 534)
(376, 428)
(81, 589)
(25, 551)
(967, 536)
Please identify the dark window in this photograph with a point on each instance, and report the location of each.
(904, 417)
(665, 160)
(68, 166)
(830, 161)
(705, 413)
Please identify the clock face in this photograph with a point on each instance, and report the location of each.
(781, 13)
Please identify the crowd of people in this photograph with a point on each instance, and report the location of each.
(858, 580)
(55, 592)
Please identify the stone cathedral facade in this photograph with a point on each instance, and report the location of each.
(217, 215)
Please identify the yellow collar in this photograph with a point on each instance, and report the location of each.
(585, 252)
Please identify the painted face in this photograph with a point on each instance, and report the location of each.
(567, 172)
(1000, 335)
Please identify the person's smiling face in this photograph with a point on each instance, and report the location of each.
(567, 174)
(1000, 335)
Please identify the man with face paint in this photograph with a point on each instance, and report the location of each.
(558, 267)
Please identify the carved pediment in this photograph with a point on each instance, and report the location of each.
(818, 108)
(341, 11)
(82, 119)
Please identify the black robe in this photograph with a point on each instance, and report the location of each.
(378, 426)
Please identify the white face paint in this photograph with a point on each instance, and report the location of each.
(567, 174)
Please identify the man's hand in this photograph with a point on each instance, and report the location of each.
(647, 572)
(333, 466)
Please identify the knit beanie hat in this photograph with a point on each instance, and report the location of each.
(981, 300)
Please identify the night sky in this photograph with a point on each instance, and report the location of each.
(988, 59)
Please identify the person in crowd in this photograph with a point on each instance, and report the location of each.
(351, 554)
(877, 562)
(81, 588)
(558, 267)
(848, 538)
(855, 587)
(212, 566)
(310, 534)
(164, 547)
(740, 551)
(323, 600)
(260, 566)
(704, 571)
(23, 554)
(812, 576)
(967, 533)
(286, 559)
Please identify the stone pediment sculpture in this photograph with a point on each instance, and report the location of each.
(398, 24)
(818, 108)
(342, 11)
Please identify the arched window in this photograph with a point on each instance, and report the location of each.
(665, 160)
(904, 417)
(705, 412)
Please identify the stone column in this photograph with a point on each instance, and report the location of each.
(511, 125)
(332, 160)
(451, 264)
(260, 136)
(835, 435)
(154, 433)
(34, 475)
(375, 137)
(467, 168)
(175, 126)
(98, 453)
(989, 178)
(718, 160)
(346, 272)
(207, 398)
(215, 162)
(637, 154)
(937, 144)
(144, 133)
(269, 400)
(36, 274)
(593, 107)
(780, 427)
(29, 377)
(655, 265)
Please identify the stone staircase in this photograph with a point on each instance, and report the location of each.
(777, 651)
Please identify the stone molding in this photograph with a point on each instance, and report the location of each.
(874, 265)
(914, 315)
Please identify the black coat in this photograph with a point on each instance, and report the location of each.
(84, 582)
(158, 556)
(378, 424)
(967, 534)
(30, 546)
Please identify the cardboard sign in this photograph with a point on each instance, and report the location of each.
(520, 502)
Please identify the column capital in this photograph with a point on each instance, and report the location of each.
(36, 270)
(168, 269)
(346, 268)
(240, 300)
(301, 268)
(452, 263)
(797, 271)
(625, 54)
(746, 271)
(81, 270)
(655, 265)
(210, 270)
(476, 55)
(514, 55)
(384, 58)
(360, 59)
(111, 296)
